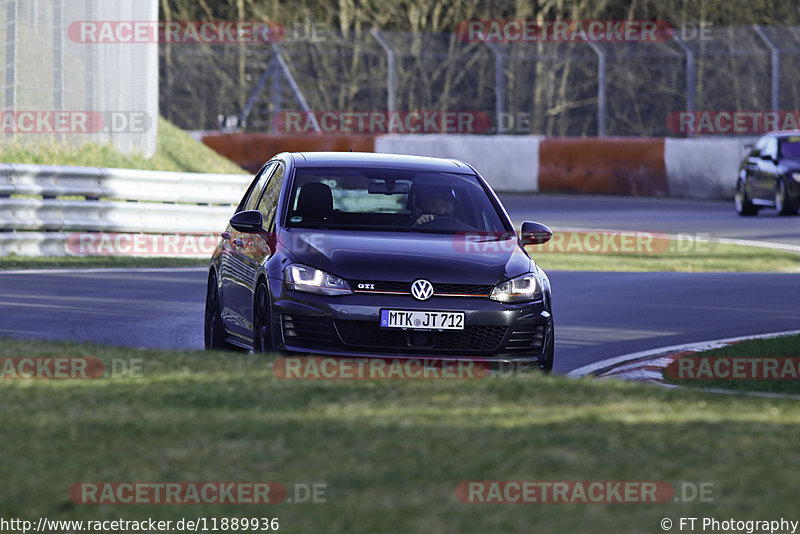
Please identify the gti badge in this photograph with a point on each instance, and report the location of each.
(421, 289)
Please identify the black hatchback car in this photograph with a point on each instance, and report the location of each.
(770, 175)
(360, 254)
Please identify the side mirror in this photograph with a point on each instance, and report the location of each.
(534, 233)
(249, 222)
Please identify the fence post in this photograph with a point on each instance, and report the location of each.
(58, 58)
(775, 56)
(89, 63)
(295, 88)
(391, 67)
(499, 84)
(277, 91)
(601, 88)
(12, 20)
(691, 85)
(251, 100)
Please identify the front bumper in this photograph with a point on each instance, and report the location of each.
(349, 326)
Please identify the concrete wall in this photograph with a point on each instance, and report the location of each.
(691, 168)
(704, 168)
(507, 162)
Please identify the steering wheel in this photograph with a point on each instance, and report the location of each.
(444, 222)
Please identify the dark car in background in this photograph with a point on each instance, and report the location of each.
(360, 254)
(770, 175)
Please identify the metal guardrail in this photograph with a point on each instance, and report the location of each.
(113, 200)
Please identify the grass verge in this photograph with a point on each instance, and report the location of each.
(755, 349)
(390, 452)
(89, 262)
(175, 151)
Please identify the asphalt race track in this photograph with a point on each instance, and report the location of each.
(714, 219)
(598, 315)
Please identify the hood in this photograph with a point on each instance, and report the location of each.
(790, 165)
(406, 256)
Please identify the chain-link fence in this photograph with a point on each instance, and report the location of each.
(573, 88)
(57, 83)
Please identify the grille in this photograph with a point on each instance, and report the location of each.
(308, 330)
(462, 289)
(438, 289)
(471, 339)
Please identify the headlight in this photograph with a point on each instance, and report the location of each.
(310, 280)
(796, 176)
(520, 289)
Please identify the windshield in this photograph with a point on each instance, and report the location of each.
(790, 147)
(391, 199)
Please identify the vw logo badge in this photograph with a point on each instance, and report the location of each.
(421, 289)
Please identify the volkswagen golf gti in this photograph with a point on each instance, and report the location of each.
(378, 255)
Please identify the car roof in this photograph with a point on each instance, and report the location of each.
(377, 160)
(784, 133)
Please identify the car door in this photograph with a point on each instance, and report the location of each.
(751, 167)
(767, 170)
(237, 271)
(258, 248)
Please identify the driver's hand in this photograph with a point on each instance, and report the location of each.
(427, 217)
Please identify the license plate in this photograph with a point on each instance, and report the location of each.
(427, 320)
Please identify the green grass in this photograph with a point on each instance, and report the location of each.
(391, 452)
(175, 151)
(711, 257)
(780, 347)
(61, 262)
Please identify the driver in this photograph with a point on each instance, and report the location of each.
(436, 203)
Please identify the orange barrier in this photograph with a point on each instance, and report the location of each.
(251, 151)
(610, 166)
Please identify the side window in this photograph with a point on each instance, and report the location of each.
(269, 200)
(771, 148)
(251, 199)
(759, 147)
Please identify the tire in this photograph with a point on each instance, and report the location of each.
(783, 203)
(743, 206)
(213, 330)
(262, 327)
(546, 365)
